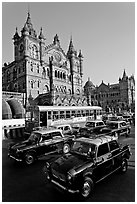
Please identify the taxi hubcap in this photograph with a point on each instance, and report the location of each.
(86, 189)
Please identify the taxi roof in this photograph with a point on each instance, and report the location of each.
(97, 141)
(47, 130)
(115, 121)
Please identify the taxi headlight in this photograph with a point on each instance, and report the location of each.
(69, 177)
(47, 165)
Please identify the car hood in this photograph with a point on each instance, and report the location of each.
(21, 145)
(69, 162)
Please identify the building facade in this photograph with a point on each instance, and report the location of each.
(47, 74)
(112, 97)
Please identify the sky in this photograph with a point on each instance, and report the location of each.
(103, 31)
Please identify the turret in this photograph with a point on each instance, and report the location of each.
(71, 55)
(42, 43)
(16, 38)
(16, 35)
(124, 76)
(81, 63)
(28, 28)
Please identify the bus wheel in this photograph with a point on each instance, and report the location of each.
(66, 148)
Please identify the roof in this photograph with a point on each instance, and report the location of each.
(47, 130)
(118, 121)
(89, 84)
(66, 108)
(96, 141)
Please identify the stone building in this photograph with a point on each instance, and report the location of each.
(114, 97)
(47, 74)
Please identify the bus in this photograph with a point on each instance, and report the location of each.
(53, 115)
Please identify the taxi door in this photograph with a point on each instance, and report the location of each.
(104, 161)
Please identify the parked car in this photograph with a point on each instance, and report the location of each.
(128, 118)
(119, 127)
(66, 129)
(93, 125)
(42, 142)
(88, 162)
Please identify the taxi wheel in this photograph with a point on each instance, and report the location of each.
(29, 158)
(124, 166)
(66, 148)
(87, 188)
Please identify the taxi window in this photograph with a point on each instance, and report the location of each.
(61, 128)
(113, 145)
(46, 137)
(90, 124)
(100, 123)
(56, 135)
(67, 128)
(103, 149)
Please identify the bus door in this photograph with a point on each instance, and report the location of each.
(43, 119)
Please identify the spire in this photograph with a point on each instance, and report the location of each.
(29, 27)
(71, 49)
(124, 75)
(41, 36)
(16, 35)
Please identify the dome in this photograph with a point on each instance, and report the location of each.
(89, 84)
(16, 108)
(6, 111)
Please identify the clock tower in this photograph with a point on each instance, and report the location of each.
(46, 73)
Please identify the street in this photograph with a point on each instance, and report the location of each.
(22, 183)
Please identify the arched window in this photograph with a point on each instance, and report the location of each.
(8, 75)
(56, 75)
(31, 84)
(31, 66)
(38, 84)
(14, 73)
(69, 91)
(61, 75)
(78, 92)
(64, 76)
(48, 72)
(37, 68)
(46, 89)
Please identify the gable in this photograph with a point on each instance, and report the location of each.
(103, 88)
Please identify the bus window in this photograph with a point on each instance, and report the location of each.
(49, 115)
(62, 114)
(67, 114)
(55, 115)
(73, 113)
(91, 113)
(43, 118)
(87, 112)
(78, 114)
(84, 113)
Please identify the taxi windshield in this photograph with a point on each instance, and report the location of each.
(83, 148)
(90, 124)
(34, 137)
